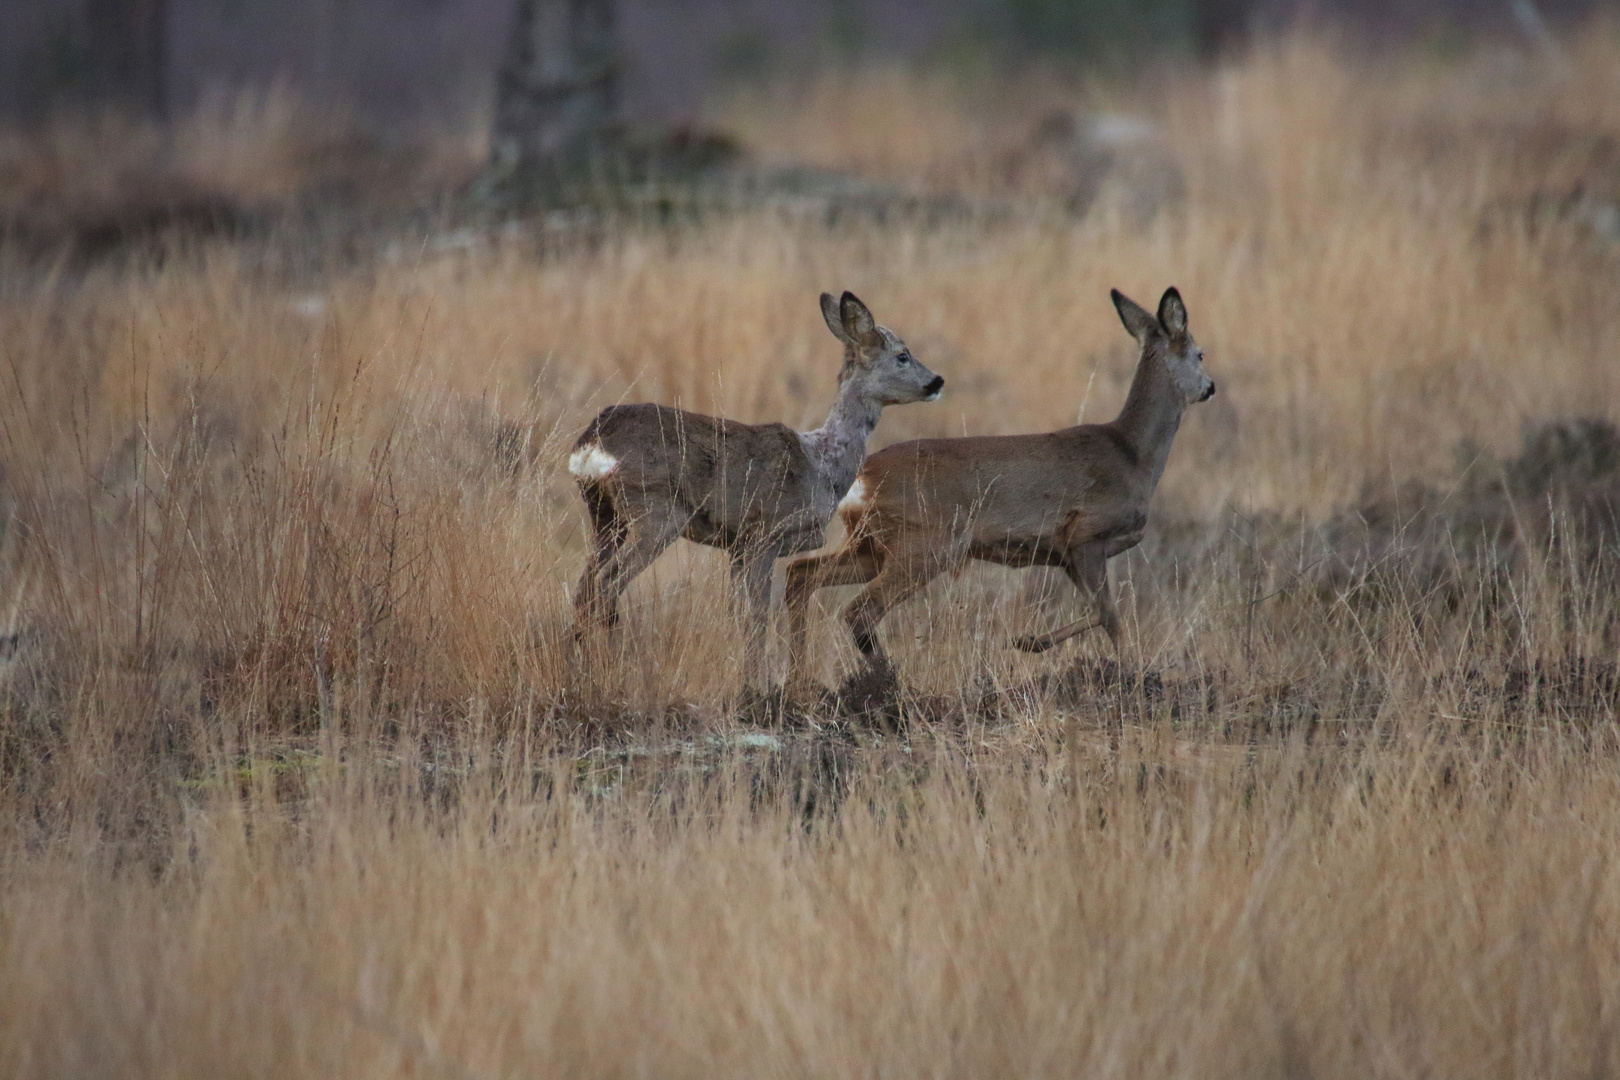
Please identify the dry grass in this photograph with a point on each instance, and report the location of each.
(86, 186)
(1390, 912)
(302, 777)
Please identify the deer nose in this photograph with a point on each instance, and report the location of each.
(933, 388)
(1210, 392)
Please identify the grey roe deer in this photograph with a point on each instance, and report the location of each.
(652, 473)
(1070, 499)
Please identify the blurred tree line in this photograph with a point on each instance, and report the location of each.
(398, 61)
(1097, 28)
(558, 96)
(126, 53)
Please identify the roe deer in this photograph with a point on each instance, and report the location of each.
(1070, 499)
(651, 473)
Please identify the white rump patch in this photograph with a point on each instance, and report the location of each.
(856, 497)
(592, 462)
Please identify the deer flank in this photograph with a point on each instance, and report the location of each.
(650, 474)
(1070, 499)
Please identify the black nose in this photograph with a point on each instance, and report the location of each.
(935, 386)
(1210, 392)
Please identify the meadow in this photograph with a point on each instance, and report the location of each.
(301, 773)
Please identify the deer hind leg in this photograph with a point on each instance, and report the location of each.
(1087, 567)
(608, 532)
(855, 564)
(647, 534)
(897, 581)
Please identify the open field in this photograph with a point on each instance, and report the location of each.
(301, 775)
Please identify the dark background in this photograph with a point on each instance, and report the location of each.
(402, 63)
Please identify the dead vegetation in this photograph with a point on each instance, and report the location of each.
(299, 774)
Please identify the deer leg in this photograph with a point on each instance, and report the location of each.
(1092, 576)
(898, 580)
(852, 565)
(608, 535)
(751, 588)
(1087, 567)
(648, 536)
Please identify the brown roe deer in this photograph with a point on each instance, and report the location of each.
(652, 473)
(1071, 499)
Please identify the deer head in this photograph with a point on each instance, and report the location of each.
(1164, 338)
(877, 360)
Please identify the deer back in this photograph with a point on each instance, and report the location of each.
(1019, 489)
(740, 482)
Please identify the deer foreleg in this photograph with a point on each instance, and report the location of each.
(1039, 643)
(751, 587)
(1088, 569)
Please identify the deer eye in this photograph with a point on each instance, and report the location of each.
(903, 358)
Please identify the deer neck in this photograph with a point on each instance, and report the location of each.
(838, 447)
(1152, 413)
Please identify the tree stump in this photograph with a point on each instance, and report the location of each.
(557, 100)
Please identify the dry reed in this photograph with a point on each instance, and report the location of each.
(301, 775)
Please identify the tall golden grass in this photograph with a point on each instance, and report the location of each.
(302, 775)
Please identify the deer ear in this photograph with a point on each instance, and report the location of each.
(859, 326)
(1135, 317)
(835, 319)
(1173, 313)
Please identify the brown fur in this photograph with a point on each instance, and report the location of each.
(1070, 499)
(651, 473)
(734, 483)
